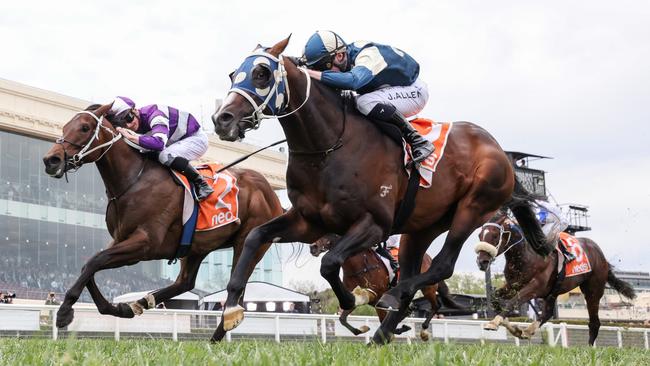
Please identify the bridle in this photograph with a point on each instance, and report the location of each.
(497, 248)
(279, 80)
(76, 161)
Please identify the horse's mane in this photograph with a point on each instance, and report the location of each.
(337, 96)
(116, 121)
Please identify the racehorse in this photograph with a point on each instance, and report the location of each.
(347, 177)
(530, 276)
(366, 270)
(144, 213)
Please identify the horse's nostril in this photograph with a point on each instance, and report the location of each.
(53, 161)
(225, 117)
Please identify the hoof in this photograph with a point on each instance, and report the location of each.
(362, 296)
(136, 308)
(388, 302)
(64, 317)
(380, 339)
(424, 335)
(364, 329)
(232, 317)
(124, 311)
(494, 323)
(529, 332)
(490, 326)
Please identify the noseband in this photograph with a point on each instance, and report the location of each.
(76, 161)
(494, 250)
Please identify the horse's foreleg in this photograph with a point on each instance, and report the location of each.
(289, 227)
(344, 321)
(117, 255)
(362, 235)
(527, 293)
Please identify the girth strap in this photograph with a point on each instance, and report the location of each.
(407, 204)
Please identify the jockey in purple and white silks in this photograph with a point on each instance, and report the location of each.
(385, 77)
(176, 136)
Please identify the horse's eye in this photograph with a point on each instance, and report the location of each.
(85, 128)
(261, 76)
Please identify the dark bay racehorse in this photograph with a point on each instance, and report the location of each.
(531, 276)
(347, 177)
(365, 270)
(144, 214)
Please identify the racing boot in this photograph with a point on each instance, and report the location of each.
(382, 251)
(183, 166)
(420, 148)
(567, 255)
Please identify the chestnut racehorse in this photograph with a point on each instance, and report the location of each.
(531, 276)
(144, 214)
(366, 270)
(347, 177)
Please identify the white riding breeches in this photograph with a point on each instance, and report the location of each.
(409, 100)
(190, 148)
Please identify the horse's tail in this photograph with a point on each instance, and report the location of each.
(521, 205)
(620, 286)
(445, 297)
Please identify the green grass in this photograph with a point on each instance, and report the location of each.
(162, 352)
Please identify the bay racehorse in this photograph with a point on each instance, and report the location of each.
(144, 213)
(347, 177)
(531, 276)
(365, 270)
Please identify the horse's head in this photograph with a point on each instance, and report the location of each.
(494, 237)
(85, 139)
(259, 90)
(323, 244)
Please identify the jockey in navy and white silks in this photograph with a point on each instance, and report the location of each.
(385, 77)
(553, 222)
(176, 135)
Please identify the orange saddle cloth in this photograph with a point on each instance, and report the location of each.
(437, 133)
(221, 207)
(581, 264)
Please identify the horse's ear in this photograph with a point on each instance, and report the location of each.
(279, 47)
(103, 109)
(258, 47)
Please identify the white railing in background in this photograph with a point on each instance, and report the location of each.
(32, 320)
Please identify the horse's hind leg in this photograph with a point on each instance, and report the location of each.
(184, 282)
(593, 292)
(105, 307)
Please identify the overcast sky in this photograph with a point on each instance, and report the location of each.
(566, 79)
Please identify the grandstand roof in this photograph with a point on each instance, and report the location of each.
(261, 292)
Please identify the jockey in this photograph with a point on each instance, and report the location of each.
(175, 135)
(385, 77)
(384, 251)
(553, 223)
